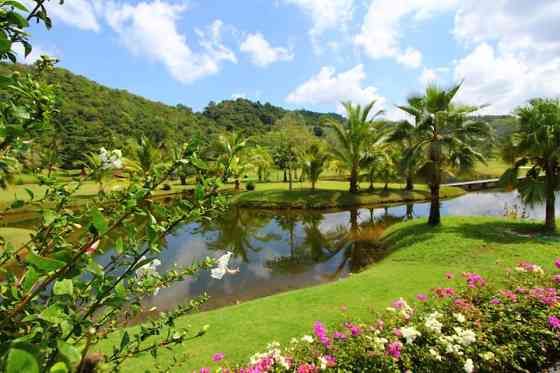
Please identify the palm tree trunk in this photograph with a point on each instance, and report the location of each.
(434, 218)
(290, 179)
(237, 185)
(550, 217)
(285, 176)
(409, 183)
(313, 184)
(354, 179)
(183, 180)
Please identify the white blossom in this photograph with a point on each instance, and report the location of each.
(487, 355)
(432, 322)
(307, 338)
(410, 333)
(111, 159)
(222, 267)
(469, 366)
(459, 317)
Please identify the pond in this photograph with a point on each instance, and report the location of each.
(281, 250)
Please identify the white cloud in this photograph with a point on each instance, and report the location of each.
(329, 88)
(515, 55)
(150, 30)
(325, 15)
(77, 13)
(262, 53)
(428, 76)
(380, 35)
(410, 58)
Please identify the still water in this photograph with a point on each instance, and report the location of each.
(282, 250)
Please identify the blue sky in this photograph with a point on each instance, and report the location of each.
(310, 53)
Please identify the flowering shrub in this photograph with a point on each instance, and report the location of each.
(475, 327)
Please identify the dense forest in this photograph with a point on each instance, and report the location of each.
(91, 115)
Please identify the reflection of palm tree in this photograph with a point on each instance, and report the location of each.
(238, 230)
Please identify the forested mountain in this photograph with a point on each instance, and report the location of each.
(92, 115)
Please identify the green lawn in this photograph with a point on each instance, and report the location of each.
(332, 194)
(419, 259)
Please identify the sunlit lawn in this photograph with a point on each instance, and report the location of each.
(421, 256)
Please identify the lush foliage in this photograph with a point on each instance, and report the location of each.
(511, 325)
(537, 143)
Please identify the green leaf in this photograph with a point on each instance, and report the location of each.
(63, 287)
(124, 340)
(199, 192)
(99, 222)
(54, 314)
(30, 193)
(49, 216)
(43, 264)
(19, 361)
(200, 164)
(70, 353)
(59, 367)
(31, 278)
(17, 5)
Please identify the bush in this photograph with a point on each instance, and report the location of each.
(250, 186)
(513, 325)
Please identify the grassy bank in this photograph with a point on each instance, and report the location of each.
(333, 194)
(419, 259)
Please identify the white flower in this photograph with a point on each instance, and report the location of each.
(284, 363)
(464, 336)
(410, 333)
(459, 317)
(307, 338)
(222, 267)
(432, 322)
(110, 159)
(148, 270)
(323, 363)
(435, 354)
(469, 366)
(379, 344)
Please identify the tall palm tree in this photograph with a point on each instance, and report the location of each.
(445, 138)
(537, 142)
(352, 136)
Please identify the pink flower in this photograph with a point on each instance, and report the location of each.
(92, 248)
(521, 290)
(399, 303)
(331, 361)
(556, 278)
(321, 333)
(444, 292)
(218, 357)
(422, 297)
(380, 324)
(554, 322)
(394, 349)
(449, 275)
(509, 294)
(557, 263)
(474, 280)
(462, 304)
(307, 368)
(354, 329)
(340, 336)
(495, 301)
(204, 370)
(397, 332)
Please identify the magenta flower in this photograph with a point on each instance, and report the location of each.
(218, 357)
(340, 336)
(449, 275)
(354, 329)
(557, 263)
(474, 280)
(422, 297)
(509, 294)
(495, 301)
(321, 333)
(394, 349)
(556, 279)
(444, 292)
(330, 360)
(204, 370)
(397, 332)
(554, 322)
(307, 368)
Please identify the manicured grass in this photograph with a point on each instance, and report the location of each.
(332, 194)
(419, 259)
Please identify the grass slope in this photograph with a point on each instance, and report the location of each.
(333, 194)
(419, 259)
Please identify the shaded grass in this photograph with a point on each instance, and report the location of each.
(333, 194)
(419, 259)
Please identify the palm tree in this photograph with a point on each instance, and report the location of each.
(314, 163)
(148, 156)
(445, 139)
(537, 142)
(352, 136)
(404, 134)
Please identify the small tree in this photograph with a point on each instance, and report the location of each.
(537, 143)
(314, 164)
